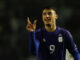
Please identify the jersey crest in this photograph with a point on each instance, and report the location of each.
(60, 38)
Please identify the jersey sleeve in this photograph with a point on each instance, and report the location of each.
(71, 46)
(34, 41)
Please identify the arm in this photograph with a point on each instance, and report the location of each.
(33, 43)
(71, 46)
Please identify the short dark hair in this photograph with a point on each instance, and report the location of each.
(50, 7)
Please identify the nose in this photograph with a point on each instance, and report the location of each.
(47, 15)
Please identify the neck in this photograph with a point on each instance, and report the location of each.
(50, 28)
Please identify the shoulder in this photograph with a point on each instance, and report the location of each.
(63, 30)
(66, 33)
(38, 33)
(39, 30)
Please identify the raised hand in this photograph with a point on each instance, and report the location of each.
(31, 27)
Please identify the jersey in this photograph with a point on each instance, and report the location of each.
(53, 45)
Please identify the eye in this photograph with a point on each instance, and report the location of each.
(49, 13)
(44, 13)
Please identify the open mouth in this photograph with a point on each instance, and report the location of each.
(48, 20)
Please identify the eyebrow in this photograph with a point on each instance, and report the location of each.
(47, 12)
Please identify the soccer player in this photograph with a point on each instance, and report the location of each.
(51, 41)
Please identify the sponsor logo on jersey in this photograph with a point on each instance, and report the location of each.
(44, 40)
(60, 38)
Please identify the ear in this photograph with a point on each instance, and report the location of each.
(56, 16)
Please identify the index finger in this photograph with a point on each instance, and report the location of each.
(35, 22)
(28, 20)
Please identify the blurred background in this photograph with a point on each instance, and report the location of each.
(13, 13)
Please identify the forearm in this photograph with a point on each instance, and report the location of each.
(76, 55)
(33, 43)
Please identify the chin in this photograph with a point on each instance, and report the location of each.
(48, 23)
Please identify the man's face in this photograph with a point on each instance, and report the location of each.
(49, 16)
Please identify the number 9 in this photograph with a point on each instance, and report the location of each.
(52, 48)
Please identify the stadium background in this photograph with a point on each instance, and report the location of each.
(13, 13)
